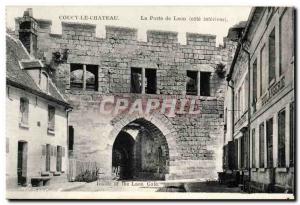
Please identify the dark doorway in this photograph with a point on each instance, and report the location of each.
(22, 163)
(48, 152)
(122, 156)
(58, 158)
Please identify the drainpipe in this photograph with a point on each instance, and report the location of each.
(249, 109)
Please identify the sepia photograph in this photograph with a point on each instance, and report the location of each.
(150, 102)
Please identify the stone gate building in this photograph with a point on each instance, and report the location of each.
(155, 145)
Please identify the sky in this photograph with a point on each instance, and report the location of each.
(130, 16)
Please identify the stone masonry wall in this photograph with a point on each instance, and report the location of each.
(195, 142)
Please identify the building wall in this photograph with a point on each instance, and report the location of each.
(278, 95)
(195, 141)
(35, 135)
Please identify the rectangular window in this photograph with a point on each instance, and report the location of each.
(84, 77)
(48, 156)
(292, 133)
(281, 138)
(272, 57)
(150, 77)
(269, 136)
(24, 110)
(51, 118)
(191, 82)
(261, 145)
(253, 148)
(205, 83)
(244, 150)
(91, 78)
(76, 76)
(71, 141)
(286, 40)
(254, 85)
(263, 70)
(136, 80)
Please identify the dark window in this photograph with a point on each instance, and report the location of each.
(24, 110)
(71, 138)
(253, 149)
(25, 25)
(272, 56)
(136, 80)
(261, 145)
(269, 136)
(205, 83)
(281, 138)
(150, 75)
(76, 77)
(71, 141)
(292, 133)
(254, 85)
(91, 78)
(191, 82)
(51, 118)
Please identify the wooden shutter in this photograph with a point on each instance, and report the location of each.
(24, 161)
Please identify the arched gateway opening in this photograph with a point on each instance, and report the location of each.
(140, 152)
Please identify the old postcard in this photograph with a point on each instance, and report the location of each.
(157, 102)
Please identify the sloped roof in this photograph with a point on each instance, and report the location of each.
(17, 56)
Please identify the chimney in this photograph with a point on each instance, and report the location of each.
(28, 32)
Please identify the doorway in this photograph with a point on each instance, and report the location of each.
(122, 158)
(22, 163)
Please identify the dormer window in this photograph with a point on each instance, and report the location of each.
(44, 82)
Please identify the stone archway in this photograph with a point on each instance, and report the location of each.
(162, 141)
